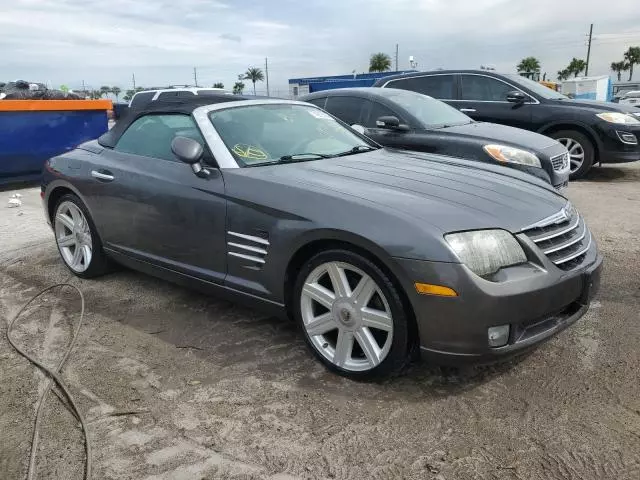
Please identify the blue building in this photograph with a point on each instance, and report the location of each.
(303, 86)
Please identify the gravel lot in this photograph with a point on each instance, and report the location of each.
(213, 390)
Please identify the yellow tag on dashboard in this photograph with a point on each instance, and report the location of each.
(250, 152)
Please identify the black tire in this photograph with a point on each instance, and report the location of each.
(399, 354)
(587, 147)
(100, 263)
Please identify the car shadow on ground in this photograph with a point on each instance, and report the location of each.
(240, 340)
(612, 173)
(235, 340)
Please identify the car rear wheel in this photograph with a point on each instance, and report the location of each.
(351, 315)
(77, 239)
(581, 151)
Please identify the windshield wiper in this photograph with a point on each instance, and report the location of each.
(356, 149)
(302, 157)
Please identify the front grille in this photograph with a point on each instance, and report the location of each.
(560, 162)
(564, 238)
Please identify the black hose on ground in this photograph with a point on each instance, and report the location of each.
(54, 376)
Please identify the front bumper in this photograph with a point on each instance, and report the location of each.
(613, 150)
(536, 302)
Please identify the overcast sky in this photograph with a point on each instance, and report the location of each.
(104, 42)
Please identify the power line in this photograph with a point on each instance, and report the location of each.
(586, 69)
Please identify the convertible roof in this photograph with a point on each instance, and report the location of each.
(185, 105)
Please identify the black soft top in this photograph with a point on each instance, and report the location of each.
(184, 105)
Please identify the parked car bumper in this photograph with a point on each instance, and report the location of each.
(613, 149)
(536, 304)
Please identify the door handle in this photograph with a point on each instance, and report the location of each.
(107, 177)
(470, 110)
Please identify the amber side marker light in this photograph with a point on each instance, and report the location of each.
(428, 289)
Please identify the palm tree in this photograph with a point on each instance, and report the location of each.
(564, 74)
(238, 87)
(619, 67)
(528, 65)
(255, 75)
(379, 62)
(576, 66)
(104, 90)
(96, 94)
(116, 91)
(218, 85)
(632, 56)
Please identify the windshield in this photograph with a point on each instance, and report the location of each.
(536, 87)
(263, 134)
(429, 111)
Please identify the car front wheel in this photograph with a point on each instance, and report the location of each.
(581, 151)
(77, 239)
(351, 315)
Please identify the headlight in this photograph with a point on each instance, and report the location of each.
(618, 117)
(486, 251)
(505, 154)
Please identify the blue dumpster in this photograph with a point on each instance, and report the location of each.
(31, 131)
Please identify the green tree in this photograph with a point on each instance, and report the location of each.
(218, 85)
(116, 91)
(379, 62)
(104, 90)
(563, 74)
(576, 66)
(255, 75)
(619, 67)
(238, 88)
(529, 65)
(95, 94)
(633, 57)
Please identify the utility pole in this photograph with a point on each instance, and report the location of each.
(266, 71)
(84, 91)
(133, 78)
(195, 76)
(586, 70)
(396, 57)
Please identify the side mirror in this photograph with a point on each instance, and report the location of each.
(189, 151)
(358, 128)
(516, 97)
(390, 122)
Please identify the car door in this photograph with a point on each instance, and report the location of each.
(149, 205)
(404, 139)
(484, 98)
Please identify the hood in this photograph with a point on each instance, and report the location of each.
(495, 133)
(595, 105)
(445, 192)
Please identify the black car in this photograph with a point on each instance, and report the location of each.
(375, 252)
(411, 121)
(593, 132)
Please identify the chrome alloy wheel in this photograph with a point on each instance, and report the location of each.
(73, 236)
(576, 153)
(346, 316)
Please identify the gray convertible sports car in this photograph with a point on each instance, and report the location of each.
(376, 253)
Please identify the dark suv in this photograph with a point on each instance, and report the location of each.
(593, 132)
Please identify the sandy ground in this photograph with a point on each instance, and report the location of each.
(214, 390)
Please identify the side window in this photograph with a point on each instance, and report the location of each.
(347, 109)
(378, 110)
(142, 98)
(318, 102)
(151, 135)
(436, 86)
(478, 87)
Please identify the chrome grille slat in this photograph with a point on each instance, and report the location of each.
(558, 233)
(567, 245)
(560, 162)
(575, 255)
(563, 238)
